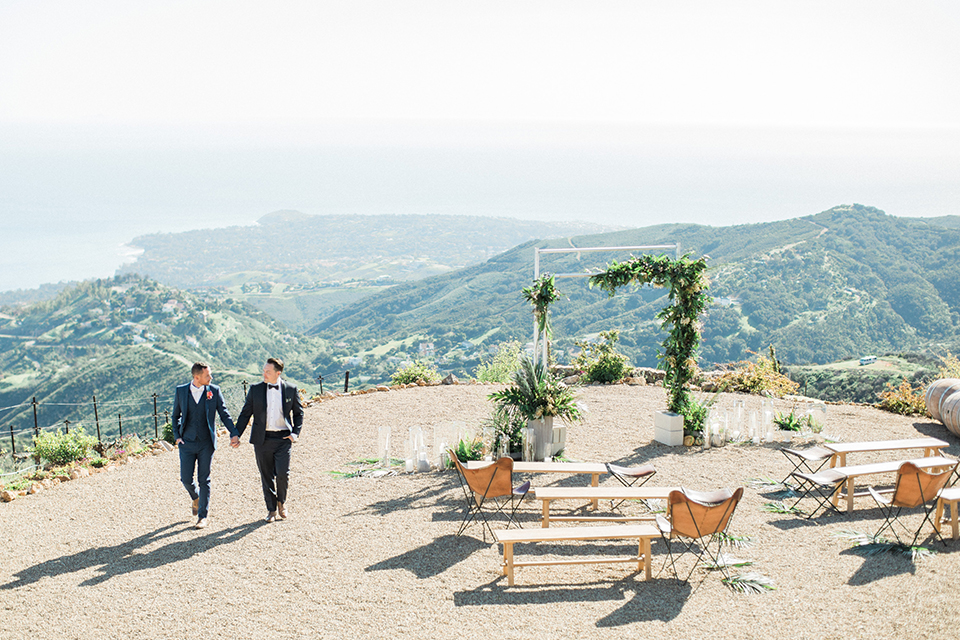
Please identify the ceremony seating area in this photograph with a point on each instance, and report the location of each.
(700, 519)
(376, 554)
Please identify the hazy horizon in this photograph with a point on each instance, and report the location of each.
(120, 119)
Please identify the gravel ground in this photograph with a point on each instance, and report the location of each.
(114, 555)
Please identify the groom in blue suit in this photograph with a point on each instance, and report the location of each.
(195, 409)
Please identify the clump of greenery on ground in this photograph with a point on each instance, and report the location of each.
(418, 372)
(469, 450)
(600, 361)
(760, 377)
(905, 399)
(501, 366)
(60, 448)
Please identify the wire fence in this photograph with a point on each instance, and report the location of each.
(108, 420)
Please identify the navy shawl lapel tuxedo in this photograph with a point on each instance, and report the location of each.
(255, 406)
(183, 402)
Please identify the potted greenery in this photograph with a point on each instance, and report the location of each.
(538, 397)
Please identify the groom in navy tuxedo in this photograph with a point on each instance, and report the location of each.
(277, 416)
(195, 408)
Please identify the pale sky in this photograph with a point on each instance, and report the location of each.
(125, 117)
(234, 62)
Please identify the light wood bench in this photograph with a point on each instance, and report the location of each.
(549, 494)
(642, 532)
(948, 497)
(930, 446)
(594, 469)
(877, 468)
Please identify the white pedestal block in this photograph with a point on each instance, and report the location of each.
(559, 440)
(668, 428)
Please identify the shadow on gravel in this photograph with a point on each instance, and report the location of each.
(936, 430)
(434, 558)
(877, 566)
(123, 558)
(655, 600)
(426, 498)
(661, 600)
(645, 454)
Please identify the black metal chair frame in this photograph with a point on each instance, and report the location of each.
(819, 486)
(891, 514)
(475, 504)
(625, 480)
(802, 463)
(704, 547)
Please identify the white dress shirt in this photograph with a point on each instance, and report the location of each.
(197, 392)
(275, 419)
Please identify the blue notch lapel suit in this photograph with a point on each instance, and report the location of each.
(214, 404)
(196, 449)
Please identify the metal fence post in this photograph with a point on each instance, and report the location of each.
(36, 424)
(320, 380)
(156, 420)
(13, 443)
(120, 424)
(96, 418)
(66, 423)
(244, 389)
(346, 381)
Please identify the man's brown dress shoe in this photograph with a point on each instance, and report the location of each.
(196, 506)
(272, 516)
(281, 511)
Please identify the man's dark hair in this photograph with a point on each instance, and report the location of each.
(198, 368)
(277, 364)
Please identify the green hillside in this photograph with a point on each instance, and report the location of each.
(125, 339)
(848, 281)
(299, 267)
(830, 287)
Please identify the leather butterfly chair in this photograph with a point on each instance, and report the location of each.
(915, 489)
(492, 487)
(696, 518)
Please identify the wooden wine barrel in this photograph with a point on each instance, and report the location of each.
(937, 392)
(950, 413)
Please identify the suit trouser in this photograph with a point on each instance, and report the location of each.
(197, 455)
(273, 460)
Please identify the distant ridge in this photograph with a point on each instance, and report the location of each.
(821, 288)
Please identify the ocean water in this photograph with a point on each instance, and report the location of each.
(67, 211)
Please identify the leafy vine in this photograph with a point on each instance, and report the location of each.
(541, 295)
(688, 283)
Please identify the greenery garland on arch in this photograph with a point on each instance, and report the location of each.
(688, 284)
(541, 295)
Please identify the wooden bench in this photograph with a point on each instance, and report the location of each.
(877, 468)
(594, 494)
(948, 497)
(930, 446)
(592, 468)
(642, 532)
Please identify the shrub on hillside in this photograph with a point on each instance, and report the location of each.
(63, 448)
(949, 366)
(166, 432)
(418, 371)
(501, 366)
(904, 399)
(760, 377)
(600, 361)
